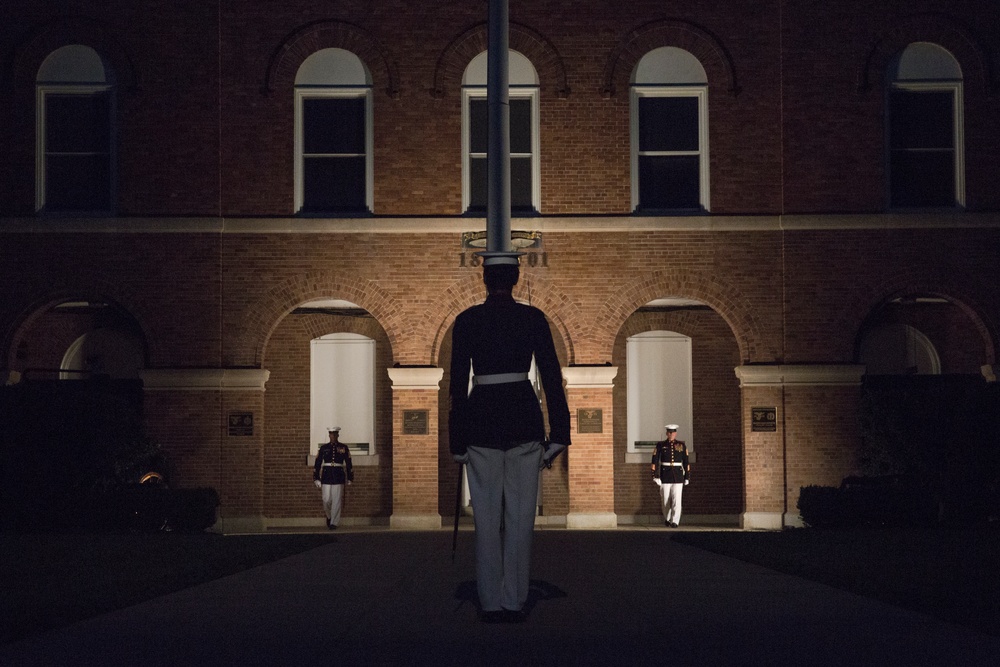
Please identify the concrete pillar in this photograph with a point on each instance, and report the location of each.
(799, 428)
(210, 423)
(589, 391)
(415, 394)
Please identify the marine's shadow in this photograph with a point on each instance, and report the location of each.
(538, 590)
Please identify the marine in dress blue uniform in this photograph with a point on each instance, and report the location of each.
(671, 471)
(498, 429)
(333, 468)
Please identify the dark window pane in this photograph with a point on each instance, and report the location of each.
(478, 125)
(669, 182)
(333, 125)
(920, 178)
(78, 123)
(520, 126)
(668, 123)
(478, 184)
(520, 184)
(77, 183)
(921, 119)
(334, 184)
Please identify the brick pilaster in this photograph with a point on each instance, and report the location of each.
(591, 457)
(816, 413)
(415, 455)
(189, 412)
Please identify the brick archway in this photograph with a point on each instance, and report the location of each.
(297, 46)
(746, 327)
(469, 291)
(701, 43)
(853, 315)
(533, 45)
(259, 320)
(935, 28)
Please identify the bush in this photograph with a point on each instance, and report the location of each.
(821, 506)
(145, 508)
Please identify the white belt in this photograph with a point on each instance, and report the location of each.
(672, 464)
(340, 465)
(499, 378)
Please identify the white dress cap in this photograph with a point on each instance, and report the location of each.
(333, 429)
(671, 427)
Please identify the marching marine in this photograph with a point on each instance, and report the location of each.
(671, 472)
(332, 469)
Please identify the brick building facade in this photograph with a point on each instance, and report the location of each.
(812, 241)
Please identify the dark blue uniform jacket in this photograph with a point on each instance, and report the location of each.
(498, 337)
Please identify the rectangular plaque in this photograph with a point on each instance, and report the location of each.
(590, 420)
(764, 419)
(415, 422)
(240, 423)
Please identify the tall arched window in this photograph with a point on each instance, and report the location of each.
(333, 135)
(75, 110)
(525, 185)
(669, 133)
(925, 133)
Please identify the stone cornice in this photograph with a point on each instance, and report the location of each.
(579, 377)
(788, 375)
(204, 379)
(459, 224)
(416, 378)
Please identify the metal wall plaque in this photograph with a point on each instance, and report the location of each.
(590, 420)
(764, 419)
(415, 422)
(240, 423)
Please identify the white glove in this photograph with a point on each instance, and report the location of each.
(552, 450)
(317, 483)
(657, 481)
(461, 458)
(686, 482)
(349, 482)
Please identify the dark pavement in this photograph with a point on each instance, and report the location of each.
(623, 597)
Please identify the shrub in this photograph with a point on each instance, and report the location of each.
(821, 506)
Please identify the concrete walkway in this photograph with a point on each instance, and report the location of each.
(625, 597)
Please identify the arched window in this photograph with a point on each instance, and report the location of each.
(659, 390)
(669, 133)
(925, 133)
(75, 110)
(333, 135)
(525, 185)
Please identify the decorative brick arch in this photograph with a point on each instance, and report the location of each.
(936, 282)
(100, 290)
(470, 291)
(533, 45)
(738, 314)
(938, 29)
(29, 55)
(262, 317)
(701, 43)
(285, 61)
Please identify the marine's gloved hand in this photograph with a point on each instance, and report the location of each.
(552, 450)
(461, 458)
(686, 482)
(317, 483)
(657, 481)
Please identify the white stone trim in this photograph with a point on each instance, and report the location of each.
(591, 521)
(451, 226)
(785, 375)
(761, 521)
(579, 377)
(416, 378)
(415, 522)
(204, 379)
